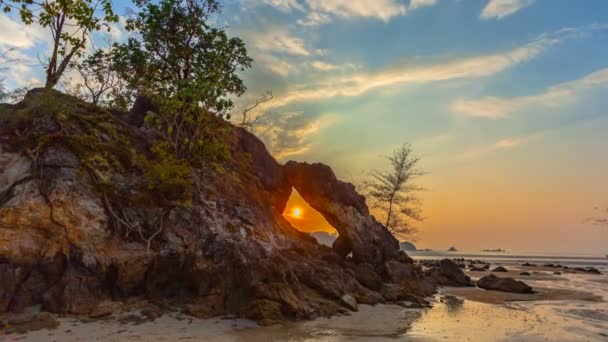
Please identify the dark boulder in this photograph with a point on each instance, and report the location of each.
(500, 269)
(478, 269)
(492, 282)
(448, 273)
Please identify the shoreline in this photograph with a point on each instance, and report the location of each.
(568, 306)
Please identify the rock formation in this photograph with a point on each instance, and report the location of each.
(78, 228)
(492, 282)
(359, 233)
(449, 273)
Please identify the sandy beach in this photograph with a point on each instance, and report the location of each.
(569, 306)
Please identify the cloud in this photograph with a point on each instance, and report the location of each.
(358, 83)
(377, 9)
(318, 12)
(15, 34)
(289, 134)
(325, 66)
(499, 9)
(280, 41)
(16, 42)
(274, 64)
(504, 144)
(284, 5)
(315, 19)
(555, 96)
(415, 4)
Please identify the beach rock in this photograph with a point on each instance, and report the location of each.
(72, 246)
(500, 269)
(477, 269)
(527, 264)
(366, 275)
(350, 302)
(448, 273)
(22, 323)
(452, 301)
(524, 273)
(557, 273)
(346, 210)
(591, 270)
(492, 282)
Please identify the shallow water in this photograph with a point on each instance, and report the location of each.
(510, 258)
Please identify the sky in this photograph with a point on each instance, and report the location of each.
(504, 101)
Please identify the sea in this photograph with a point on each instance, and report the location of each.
(517, 258)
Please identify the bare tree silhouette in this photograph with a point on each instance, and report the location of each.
(393, 192)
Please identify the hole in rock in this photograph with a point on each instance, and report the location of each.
(306, 219)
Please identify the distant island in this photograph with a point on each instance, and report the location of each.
(407, 246)
(498, 250)
(325, 238)
(452, 249)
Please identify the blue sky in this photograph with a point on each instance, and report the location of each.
(505, 100)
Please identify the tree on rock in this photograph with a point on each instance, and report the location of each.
(187, 66)
(70, 23)
(101, 84)
(393, 192)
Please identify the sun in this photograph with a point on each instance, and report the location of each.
(296, 212)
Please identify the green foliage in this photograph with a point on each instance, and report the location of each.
(167, 176)
(70, 23)
(186, 66)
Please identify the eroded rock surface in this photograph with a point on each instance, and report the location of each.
(345, 210)
(66, 246)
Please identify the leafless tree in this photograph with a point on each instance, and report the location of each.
(394, 194)
(99, 79)
(249, 122)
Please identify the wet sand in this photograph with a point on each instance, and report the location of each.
(498, 297)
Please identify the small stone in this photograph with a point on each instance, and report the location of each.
(350, 302)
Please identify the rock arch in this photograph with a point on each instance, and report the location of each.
(345, 210)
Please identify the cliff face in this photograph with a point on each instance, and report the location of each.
(229, 250)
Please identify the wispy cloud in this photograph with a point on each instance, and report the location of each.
(18, 41)
(358, 83)
(289, 134)
(499, 9)
(504, 144)
(284, 5)
(15, 34)
(378, 9)
(415, 4)
(558, 95)
(318, 12)
(280, 41)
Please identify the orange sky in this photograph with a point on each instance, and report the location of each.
(309, 220)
